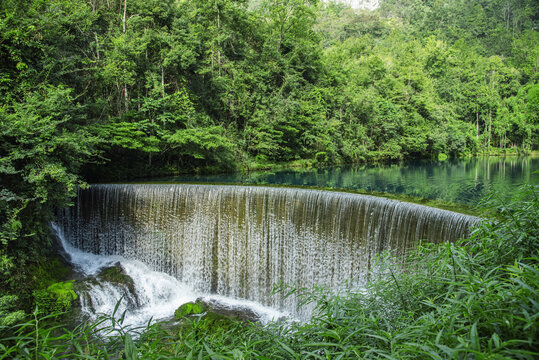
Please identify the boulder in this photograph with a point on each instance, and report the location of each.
(117, 275)
(190, 308)
(113, 276)
(214, 309)
(230, 311)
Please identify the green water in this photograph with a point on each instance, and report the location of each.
(462, 181)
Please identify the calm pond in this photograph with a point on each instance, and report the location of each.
(463, 181)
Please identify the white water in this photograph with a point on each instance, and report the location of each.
(158, 294)
(239, 241)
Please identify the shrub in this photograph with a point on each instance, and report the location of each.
(57, 298)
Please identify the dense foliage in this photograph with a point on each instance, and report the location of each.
(111, 89)
(167, 86)
(474, 299)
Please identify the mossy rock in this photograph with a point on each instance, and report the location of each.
(116, 275)
(63, 289)
(49, 271)
(217, 311)
(209, 317)
(222, 310)
(190, 308)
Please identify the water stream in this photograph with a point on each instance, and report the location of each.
(156, 294)
(239, 241)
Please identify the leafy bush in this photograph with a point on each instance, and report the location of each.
(57, 298)
(8, 314)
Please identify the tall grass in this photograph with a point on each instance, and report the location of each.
(476, 299)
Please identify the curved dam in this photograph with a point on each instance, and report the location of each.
(240, 241)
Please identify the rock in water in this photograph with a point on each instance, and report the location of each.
(190, 308)
(230, 311)
(117, 275)
(213, 308)
(110, 284)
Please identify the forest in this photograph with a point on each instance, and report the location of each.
(112, 90)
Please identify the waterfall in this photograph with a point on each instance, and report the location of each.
(154, 295)
(238, 241)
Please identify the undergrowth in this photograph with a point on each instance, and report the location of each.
(475, 299)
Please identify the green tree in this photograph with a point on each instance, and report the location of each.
(42, 148)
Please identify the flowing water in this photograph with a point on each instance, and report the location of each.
(239, 241)
(156, 294)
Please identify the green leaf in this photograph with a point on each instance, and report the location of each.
(130, 348)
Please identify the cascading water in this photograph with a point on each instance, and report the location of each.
(239, 241)
(158, 294)
(155, 295)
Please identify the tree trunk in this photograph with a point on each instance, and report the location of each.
(126, 98)
(163, 81)
(125, 14)
(97, 45)
(489, 129)
(477, 124)
(219, 43)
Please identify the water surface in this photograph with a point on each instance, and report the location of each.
(463, 181)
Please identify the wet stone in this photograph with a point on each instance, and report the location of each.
(230, 311)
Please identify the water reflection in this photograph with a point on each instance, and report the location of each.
(463, 181)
